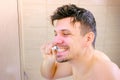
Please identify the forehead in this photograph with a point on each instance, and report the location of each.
(66, 24)
(64, 21)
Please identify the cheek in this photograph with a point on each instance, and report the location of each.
(73, 42)
(78, 44)
(83, 43)
(67, 41)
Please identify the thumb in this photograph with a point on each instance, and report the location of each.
(54, 51)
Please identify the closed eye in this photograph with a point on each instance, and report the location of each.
(66, 33)
(63, 33)
(55, 33)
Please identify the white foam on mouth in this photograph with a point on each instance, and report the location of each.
(58, 49)
(55, 48)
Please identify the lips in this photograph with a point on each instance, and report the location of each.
(62, 50)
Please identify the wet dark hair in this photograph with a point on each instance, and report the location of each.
(81, 15)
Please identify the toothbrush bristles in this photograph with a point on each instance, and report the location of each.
(54, 48)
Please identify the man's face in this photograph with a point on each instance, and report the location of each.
(68, 39)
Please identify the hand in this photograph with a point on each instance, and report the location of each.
(47, 51)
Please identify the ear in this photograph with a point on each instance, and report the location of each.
(89, 38)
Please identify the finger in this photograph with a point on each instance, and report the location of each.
(46, 49)
(54, 52)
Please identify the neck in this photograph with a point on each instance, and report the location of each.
(83, 62)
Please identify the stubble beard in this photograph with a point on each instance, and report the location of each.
(65, 59)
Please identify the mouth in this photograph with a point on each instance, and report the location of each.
(62, 51)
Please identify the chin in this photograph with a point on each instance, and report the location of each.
(63, 59)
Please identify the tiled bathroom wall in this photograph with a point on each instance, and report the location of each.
(36, 29)
(9, 41)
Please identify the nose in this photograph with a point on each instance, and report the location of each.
(57, 40)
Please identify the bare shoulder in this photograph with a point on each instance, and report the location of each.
(107, 69)
(101, 56)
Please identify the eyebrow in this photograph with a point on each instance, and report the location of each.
(62, 30)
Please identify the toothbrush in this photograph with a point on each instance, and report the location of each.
(55, 48)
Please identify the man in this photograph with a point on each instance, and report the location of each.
(75, 54)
